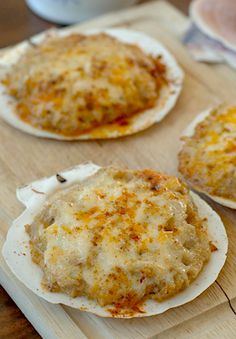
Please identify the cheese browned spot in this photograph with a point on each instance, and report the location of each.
(71, 85)
(208, 158)
(120, 238)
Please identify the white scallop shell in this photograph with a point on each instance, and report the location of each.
(17, 254)
(188, 132)
(195, 14)
(164, 104)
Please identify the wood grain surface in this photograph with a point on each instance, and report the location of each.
(210, 315)
(13, 324)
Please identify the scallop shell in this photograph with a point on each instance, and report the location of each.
(168, 96)
(214, 29)
(17, 254)
(189, 132)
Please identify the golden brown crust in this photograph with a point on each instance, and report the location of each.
(120, 237)
(71, 85)
(208, 158)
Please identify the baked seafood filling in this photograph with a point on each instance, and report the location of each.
(70, 85)
(208, 157)
(120, 238)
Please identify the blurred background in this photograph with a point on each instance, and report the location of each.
(18, 22)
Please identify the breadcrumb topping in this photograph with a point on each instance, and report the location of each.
(120, 238)
(208, 158)
(71, 85)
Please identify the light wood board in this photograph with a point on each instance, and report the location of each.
(24, 158)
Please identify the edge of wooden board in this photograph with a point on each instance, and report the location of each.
(52, 321)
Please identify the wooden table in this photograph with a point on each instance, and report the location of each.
(17, 22)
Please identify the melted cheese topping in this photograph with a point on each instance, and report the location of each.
(70, 85)
(120, 237)
(208, 158)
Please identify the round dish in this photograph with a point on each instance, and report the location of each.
(216, 19)
(110, 129)
(16, 249)
(217, 155)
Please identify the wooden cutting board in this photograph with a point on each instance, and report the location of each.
(24, 158)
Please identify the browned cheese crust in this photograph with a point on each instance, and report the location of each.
(208, 158)
(71, 85)
(120, 238)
